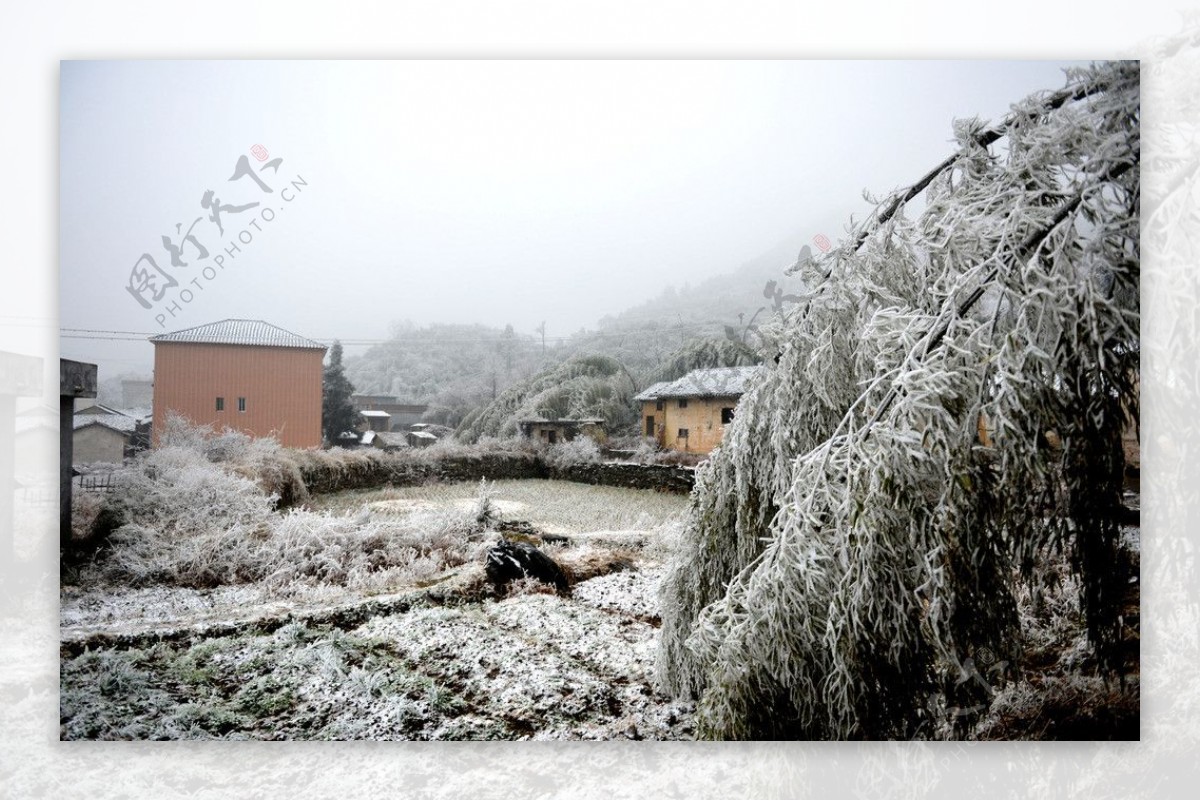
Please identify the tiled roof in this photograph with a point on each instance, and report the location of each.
(117, 422)
(239, 332)
(715, 382)
(100, 410)
(650, 392)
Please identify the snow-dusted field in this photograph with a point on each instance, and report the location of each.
(443, 658)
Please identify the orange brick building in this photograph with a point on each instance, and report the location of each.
(245, 375)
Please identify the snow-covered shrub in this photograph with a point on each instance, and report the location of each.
(581, 450)
(297, 547)
(178, 490)
(312, 548)
(485, 514)
(197, 512)
(646, 450)
(261, 459)
(853, 539)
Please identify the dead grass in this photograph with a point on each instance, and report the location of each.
(558, 507)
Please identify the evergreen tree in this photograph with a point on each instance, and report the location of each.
(337, 413)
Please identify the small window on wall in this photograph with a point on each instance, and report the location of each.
(220, 404)
(683, 433)
(683, 403)
(241, 404)
(726, 416)
(658, 406)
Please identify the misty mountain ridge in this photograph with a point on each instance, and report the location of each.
(457, 369)
(718, 300)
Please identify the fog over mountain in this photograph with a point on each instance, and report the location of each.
(555, 197)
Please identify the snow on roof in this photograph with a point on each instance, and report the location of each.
(239, 332)
(368, 437)
(100, 410)
(714, 382)
(374, 413)
(422, 435)
(117, 422)
(649, 393)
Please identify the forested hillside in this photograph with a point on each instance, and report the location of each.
(458, 369)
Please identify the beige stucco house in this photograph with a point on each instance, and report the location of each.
(690, 414)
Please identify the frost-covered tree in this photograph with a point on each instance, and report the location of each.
(700, 353)
(337, 413)
(583, 386)
(944, 408)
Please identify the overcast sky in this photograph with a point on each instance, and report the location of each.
(470, 191)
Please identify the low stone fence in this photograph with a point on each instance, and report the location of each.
(322, 474)
(664, 478)
(368, 471)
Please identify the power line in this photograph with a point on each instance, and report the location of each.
(142, 336)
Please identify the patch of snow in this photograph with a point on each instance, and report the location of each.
(631, 592)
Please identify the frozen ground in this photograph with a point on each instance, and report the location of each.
(449, 659)
(528, 666)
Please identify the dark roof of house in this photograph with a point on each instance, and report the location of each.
(714, 382)
(239, 332)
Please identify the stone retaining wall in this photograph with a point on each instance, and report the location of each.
(664, 478)
(378, 470)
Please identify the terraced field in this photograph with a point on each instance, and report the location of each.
(447, 658)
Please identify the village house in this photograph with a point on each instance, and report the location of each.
(104, 434)
(400, 415)
(246, 375)
(563, 429)
(375, 420)
(690, 414)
